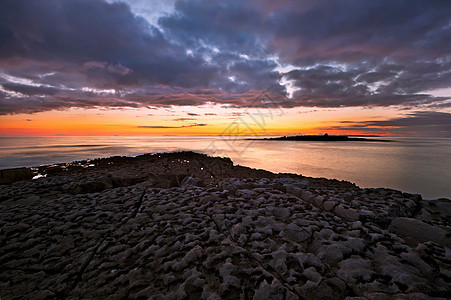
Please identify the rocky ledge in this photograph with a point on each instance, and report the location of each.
(188, 226)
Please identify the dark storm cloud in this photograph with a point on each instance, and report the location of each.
(76, 30)
(64, 46)
(91, 53)
(348, 30)
(105, 42)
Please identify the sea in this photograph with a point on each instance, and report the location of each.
(413, 165)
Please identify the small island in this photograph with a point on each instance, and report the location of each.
(320, 138)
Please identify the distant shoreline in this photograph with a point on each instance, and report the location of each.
(320, 138)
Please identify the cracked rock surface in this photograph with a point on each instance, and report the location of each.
(188, 226)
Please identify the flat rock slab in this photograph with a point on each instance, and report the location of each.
(420, 231)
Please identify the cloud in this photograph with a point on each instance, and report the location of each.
(192, 114)
(118, 68)
(427, 123)
(349, 31)
(30, 90)
(369, 85)
(94, 53)
(228, 26)
(184, 119)
(168, 127)
(421, 119)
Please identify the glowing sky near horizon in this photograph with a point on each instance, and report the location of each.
(135, 67)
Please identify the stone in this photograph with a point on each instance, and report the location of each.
(346, 213)
(332, 254)
(355, 270)
(246, 193)
(329, 205)
(275, 291)
(190, 181)
(124, 179)
(308, 196)
(295, 233)
(420, 231)
(89, 185)
(318, 201)
(312, 274)
(294, 190)
(281, 212)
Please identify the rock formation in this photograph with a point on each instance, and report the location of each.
(188, 226)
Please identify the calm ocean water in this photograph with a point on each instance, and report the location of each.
(411, 165)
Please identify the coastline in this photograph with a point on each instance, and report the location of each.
(185, 224)
(365, 164)
(321, 138)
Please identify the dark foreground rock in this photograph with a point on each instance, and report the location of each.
(186, 226)
(12, 175)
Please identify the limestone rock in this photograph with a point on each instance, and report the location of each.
(420, 231)
(146, 227)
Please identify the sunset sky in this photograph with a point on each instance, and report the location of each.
(148, 67)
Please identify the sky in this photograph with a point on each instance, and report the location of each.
(188, 67)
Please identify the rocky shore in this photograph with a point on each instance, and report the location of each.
(188, 226)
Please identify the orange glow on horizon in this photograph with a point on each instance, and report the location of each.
(191, 121)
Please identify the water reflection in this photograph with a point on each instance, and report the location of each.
(408, 164)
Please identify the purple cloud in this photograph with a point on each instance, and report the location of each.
(93, 53)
